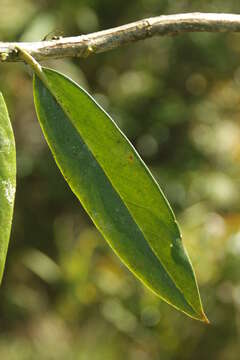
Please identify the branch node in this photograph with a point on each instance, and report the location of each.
(4, 56)
(88, 51)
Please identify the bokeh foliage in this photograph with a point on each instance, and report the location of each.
(65, 295)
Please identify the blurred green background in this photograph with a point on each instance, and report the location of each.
(65, 295)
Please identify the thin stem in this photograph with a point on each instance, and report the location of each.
(85, 45)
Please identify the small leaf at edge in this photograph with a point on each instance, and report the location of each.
(7, 181)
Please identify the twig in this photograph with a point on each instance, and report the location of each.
(85, 45)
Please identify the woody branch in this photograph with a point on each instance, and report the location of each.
(85, 45)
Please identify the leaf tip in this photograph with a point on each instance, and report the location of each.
(205, 319)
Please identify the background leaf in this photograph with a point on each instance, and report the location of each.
(116, 189)
(7, 181)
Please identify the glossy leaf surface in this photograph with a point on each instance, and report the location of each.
(7, 181)
(116, 189)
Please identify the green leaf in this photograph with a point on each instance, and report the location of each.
(116, 189)
(7, 181)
